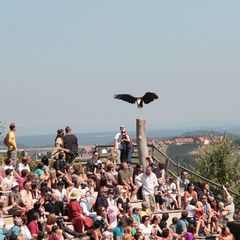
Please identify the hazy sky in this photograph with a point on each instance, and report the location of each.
(61, 62)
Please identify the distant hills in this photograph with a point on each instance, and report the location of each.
(108, 137)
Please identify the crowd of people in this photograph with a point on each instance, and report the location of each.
(99, 200)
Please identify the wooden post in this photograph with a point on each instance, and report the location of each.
(142, 142)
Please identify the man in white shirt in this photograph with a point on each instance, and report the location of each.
(118, 143)
(149, 183)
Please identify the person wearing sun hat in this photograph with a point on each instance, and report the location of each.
(74, 211)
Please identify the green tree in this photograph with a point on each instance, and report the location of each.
(219, 161)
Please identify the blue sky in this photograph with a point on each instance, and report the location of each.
(62, 61)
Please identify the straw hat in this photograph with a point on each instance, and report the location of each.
(75, 194)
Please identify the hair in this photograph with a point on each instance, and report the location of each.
(165, 232)
(12, 126)
(184, 214)
(45, 160)
(165, 216)
(17, 221)
(40, 165)
(61, 155)
(35, 215)
(193, 201)
(8, 161)
(24, 172)
(37, 205)
(40, 235)
(122, 222)
(174, 220)
(144, 218)
(68, 129)
(191, 228)
(25, 183)
(51, 219)
(34, 185)
(155, 217)
(96, 224)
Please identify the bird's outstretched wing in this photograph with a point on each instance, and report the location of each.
(125, 97)
(149, 97)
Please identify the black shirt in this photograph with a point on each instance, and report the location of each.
(71, 142)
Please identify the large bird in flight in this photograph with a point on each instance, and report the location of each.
(147, 98)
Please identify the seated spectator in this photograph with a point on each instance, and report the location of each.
(125, 178)
(145, 227)
(56, 233)
(128, 233)
(61, 192)
(145, 210)
(91, 164)
(156, 230)
(206, 191)
(110, 179)
(171, 194)
(123, 201)
(136, 214)
(112, 213)
(22, 178)
(163, 222)
(23, 165)
(54, 205)
(160, 171)
(226, 234)
(182, 183)
(16, 229)
(59, 165)
(228, 211)
(26, 195)
(33, 225)
(119, 230)
(95, 232)
(172, 226)
(190, 194)
(52, 181)
(24, 229)
(51, 221)
(182, 223)
(101, 200)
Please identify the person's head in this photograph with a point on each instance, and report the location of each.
(68, 129)
(60, 133)
(136, 210)
(148, 170)
(128, 230)
(13, 127)
(206, 186)
(229, 200)
(165, 233)
(191, 228)
(8, 172)
(184, 175)
(145, 220)
(124, 166)
(61, 155)
(156, 219)
(27, 185)
(174, 220)
(109, 168)
(139, 236)
(8, 161)
(122, 223)
(225, 231)
(96, 224)
(193, 201)
(95, 154)
(54, 197)
(145, 206)
(24, 173)
(37, 206)
(61, 184)
(51, 219)
(40, 235)
(17, 221)
(40, 166)
(165, 216)
(184, 214)
(45, 160)
(190, 187)
(25, 160)
(35, 216)
(204, 199)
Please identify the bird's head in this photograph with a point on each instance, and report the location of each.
(139, 103)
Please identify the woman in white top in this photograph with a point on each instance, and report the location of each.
(145, 227)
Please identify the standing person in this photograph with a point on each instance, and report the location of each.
(118, 145)
(71, 143)
(149, 183)
(126, 152)
(10, 142)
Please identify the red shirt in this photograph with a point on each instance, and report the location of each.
(33, 227)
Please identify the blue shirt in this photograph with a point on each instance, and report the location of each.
(117, 232)
(181, 226)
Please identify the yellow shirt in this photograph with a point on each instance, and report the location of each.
(12, 146)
